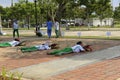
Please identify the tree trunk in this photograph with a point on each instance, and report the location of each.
(59, 13)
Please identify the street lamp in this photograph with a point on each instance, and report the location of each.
(35, 1)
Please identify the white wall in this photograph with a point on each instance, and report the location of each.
(95, 21)
(105, 22)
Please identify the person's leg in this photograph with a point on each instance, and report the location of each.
(29, 49)
(57, 33)
(14, 33)
(17, 33)
(64, 51)
(49, 33)
(6, 44)
(54, 52)
(60, 52)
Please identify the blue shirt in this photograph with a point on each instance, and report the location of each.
(49, 25)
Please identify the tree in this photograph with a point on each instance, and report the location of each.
(103, 9)
(2, 11)
(117, 13)
(24, 10)
(89, 8)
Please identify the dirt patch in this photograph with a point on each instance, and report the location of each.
(12, 57)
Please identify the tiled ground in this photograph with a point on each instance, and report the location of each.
(27, 59)
(105, 70)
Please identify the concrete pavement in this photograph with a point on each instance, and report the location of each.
(47, 69)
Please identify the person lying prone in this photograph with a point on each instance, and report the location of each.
(75, 49)
(15, 42)
(39, 47)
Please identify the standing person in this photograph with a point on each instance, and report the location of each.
(49, 27)
(56, 24)
(15, 28)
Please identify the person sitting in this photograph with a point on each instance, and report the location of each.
(75, 49)
(39, 47)
(15, 42)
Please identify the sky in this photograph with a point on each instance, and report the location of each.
(6, 3)
(115, 3)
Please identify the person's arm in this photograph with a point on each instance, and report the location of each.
(21, 43)
(88, 48)
(82, 49)
(78, 48)
(14, 43)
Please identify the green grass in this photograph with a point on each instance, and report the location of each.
(93, 37)
(82, 28)
(5, 75)
(92, 29)
(76, 37)
(73, 29)
(23, 28)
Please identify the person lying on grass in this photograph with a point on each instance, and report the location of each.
(15, 42)
(75, 49)
(39, 47)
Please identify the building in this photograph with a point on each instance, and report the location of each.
(95, 22)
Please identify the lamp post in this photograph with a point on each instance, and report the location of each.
(35, 1)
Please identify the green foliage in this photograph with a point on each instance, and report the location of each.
(104, 9)
(5, 75)
(117, 13)
(11, 76)
(24, 10)
(19, 76)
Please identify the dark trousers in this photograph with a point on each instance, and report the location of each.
(57, 33)
(49, 32)
(15, 31)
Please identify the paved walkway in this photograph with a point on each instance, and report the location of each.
(74, 63)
